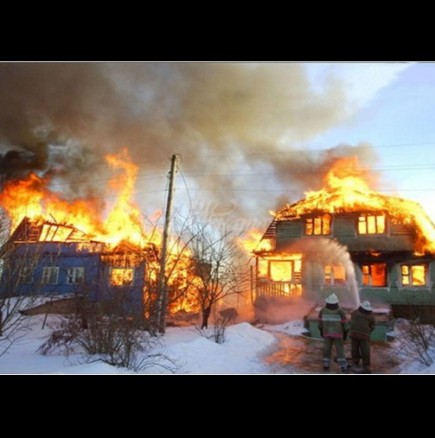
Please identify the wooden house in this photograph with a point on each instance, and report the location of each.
(46, 258)
(371, 247)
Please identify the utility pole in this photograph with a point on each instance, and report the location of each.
(162, 290)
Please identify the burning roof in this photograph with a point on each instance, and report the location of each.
(346, 190)
(119, 221)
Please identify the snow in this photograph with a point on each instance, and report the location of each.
(239, 354)
(292, 328)
(381, 310)
(192, 353)
(410, 364)
(244, 352)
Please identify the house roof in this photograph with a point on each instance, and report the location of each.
(406, 212)
(339, 201)
(46, 231)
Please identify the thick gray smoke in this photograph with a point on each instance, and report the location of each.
(224, 119)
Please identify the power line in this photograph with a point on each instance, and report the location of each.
(266, 153)
(186, 187)
(257, 174)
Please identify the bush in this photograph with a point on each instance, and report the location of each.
(416, 340)
(99, 332)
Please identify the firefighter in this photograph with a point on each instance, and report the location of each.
(332, 327)
(362, 323)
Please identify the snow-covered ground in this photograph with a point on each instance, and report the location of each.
(243, 352)
(239, 354)
(292, 328)
(190, 352)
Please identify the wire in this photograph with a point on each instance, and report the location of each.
(185, 186)
(253, 174)
(263, 153)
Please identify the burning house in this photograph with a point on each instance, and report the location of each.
(61, 247)
(351, 240)
(50, 259)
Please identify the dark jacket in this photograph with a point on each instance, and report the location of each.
(331, 322)
(362, 323)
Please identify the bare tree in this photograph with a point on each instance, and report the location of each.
(219, 270)
(18, 290)
(416, 340)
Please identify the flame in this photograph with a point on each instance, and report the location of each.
(33, 199)
(255, 241)
(347, 189)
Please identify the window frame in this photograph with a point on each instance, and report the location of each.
(330, 279)
(325, 225)
(45, 276)
(410, 275)
(296, 275)
(370, 274)
(124, 283)
(366, 217)
(27, 276)
(71, 275)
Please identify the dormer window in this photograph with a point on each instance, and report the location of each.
(318, 225)
(371, 224)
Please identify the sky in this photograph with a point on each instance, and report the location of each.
(250, 136)
(394, 113)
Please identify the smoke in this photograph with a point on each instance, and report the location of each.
(306, 170)
(225, 120)
(277, 310)
(319, 252)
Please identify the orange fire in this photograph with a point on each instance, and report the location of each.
(32, 198)
(253, 242)
(347, 188)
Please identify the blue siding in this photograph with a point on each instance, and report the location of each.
(66, 255)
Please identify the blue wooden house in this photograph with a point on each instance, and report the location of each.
(47, 258)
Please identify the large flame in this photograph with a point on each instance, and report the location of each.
(120, 222)
(32, 198)
(347, 188)
(252, 241)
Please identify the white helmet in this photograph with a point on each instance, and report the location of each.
(366, 306)
(332, 299)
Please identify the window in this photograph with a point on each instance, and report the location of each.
(50, 275)
(374, 275)
(121, 276)
(371, 224)
(318, 225)
(334, 274)
(25, 275)
(414, 275)
(286, 270)
(281, 270)
(75, 275)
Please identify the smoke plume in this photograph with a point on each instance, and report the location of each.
(226, 121)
